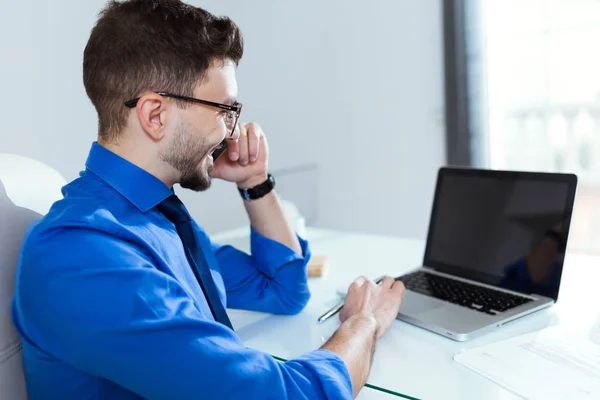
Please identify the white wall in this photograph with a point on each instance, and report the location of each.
(354, 87)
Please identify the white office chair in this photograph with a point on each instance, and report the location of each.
(27, 190)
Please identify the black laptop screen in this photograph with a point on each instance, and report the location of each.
(502, 228)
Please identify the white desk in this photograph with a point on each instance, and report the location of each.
(408, 360)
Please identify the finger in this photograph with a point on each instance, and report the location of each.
(360, 280)
(263, 148)
(370, 285)
(387, 282)
(357, 283)
(233, 146)
(243, 145)
(399, 289)
(342, 315)
(254, 136)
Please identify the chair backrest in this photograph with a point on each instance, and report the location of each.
(27, 190)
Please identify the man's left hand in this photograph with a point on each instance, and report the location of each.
(246, 160)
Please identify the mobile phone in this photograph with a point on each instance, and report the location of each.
(219, 150)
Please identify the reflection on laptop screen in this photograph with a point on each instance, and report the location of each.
(508, 230)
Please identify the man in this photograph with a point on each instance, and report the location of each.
(539, 271)
(120, 295)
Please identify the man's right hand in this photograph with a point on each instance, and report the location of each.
(368, 313)
(381, 302)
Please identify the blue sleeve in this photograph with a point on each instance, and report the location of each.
(516, 276)
(272, 279)
(101, 306)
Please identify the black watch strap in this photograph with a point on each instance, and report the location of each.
(258, 191)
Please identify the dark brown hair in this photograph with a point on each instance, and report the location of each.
(142, 45)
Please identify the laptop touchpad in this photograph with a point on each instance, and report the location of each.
(415, 304)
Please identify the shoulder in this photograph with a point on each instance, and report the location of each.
(91, 222)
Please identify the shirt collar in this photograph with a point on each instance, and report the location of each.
(142, 189)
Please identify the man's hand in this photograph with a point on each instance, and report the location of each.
(246, 164)
(382, 302)
(368, 313)
(246, 161)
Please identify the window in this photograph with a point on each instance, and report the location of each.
(531, 92)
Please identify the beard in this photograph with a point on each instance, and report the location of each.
(185, 155)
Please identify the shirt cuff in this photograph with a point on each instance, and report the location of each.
(272, 255)
(331, 372)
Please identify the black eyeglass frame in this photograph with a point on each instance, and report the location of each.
(237, 108)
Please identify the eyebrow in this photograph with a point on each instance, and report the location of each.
(230, 101)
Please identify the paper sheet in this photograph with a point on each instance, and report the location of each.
(551, 364)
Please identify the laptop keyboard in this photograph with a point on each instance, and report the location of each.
(464, 294)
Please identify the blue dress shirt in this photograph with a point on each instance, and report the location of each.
(108, 308)
(516, 277)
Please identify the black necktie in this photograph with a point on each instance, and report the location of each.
(176, 212)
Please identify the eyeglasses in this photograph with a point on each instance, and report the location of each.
(231, 116)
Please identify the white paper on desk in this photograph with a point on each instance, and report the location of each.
(551, 364)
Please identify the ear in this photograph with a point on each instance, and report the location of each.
(152, 112)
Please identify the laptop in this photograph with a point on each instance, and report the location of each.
(494, 253)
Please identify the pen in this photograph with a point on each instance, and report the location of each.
(336, 309)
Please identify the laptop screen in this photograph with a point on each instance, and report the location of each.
(507, 229)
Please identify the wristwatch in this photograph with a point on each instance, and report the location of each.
(259, 190)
